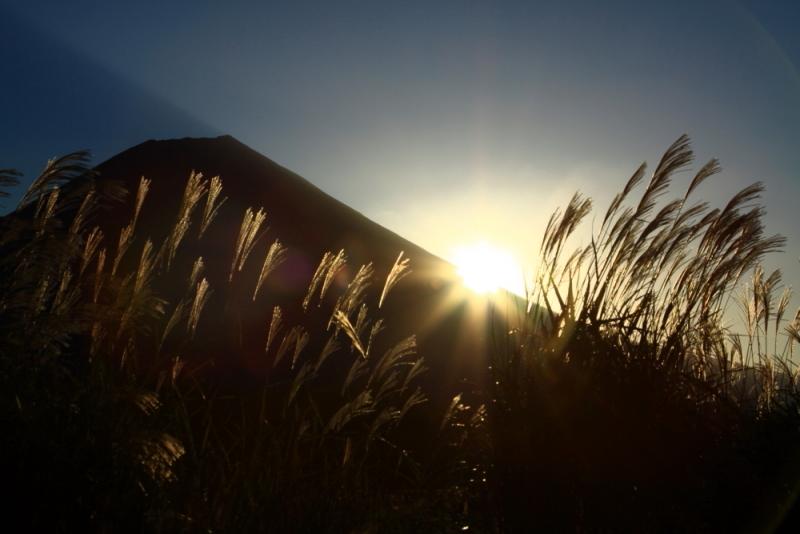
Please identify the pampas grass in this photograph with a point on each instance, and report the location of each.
(132, 444)
(624, 381)
(622, 402)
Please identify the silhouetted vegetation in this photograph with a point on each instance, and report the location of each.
(620, 403)
(625, 404)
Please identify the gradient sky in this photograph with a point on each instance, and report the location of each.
(447, 122)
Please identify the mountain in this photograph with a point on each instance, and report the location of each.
(449, 321)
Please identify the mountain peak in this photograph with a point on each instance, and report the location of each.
(294, 205)
(430, 303)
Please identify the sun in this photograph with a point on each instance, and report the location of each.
(484, 268)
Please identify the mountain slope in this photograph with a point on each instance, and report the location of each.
(450, 322)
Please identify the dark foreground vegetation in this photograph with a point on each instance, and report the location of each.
(620, 403)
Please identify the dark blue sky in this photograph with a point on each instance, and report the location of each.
(447, 122)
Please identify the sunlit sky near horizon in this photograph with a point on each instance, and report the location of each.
(450, 123)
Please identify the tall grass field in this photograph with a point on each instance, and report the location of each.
(621, 402)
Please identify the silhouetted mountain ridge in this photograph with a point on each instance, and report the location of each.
(449, 321)
(252, 180)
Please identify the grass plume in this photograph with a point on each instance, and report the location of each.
(622, 403)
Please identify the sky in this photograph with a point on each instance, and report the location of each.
(449, 122)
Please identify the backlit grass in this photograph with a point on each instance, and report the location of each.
(621, 403)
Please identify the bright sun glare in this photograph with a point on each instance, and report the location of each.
(484, 268)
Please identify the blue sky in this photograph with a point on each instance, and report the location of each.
(447, 122)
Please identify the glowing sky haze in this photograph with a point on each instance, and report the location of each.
(447, 122)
